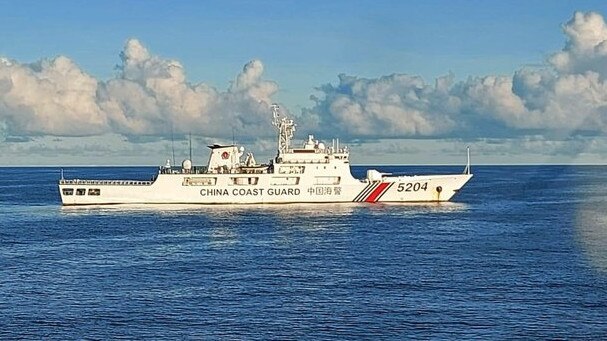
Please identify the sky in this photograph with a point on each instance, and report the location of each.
(400, 82)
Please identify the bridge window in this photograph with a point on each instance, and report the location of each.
(291, 169)
(81, 191)
(68, 191)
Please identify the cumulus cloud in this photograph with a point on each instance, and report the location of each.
(586, 46)
(568, 94)
(390, 106)
(149, 96)
(49, 97)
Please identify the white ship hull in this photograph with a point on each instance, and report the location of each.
(178, 189)
(314, 173)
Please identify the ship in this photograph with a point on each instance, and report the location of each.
(312, 172)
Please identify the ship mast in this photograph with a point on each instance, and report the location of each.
(285, 128)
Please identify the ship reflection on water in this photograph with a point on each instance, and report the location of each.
(281, 211)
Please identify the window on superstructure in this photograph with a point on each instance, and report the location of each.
(94, 191)
(202, 181)
(284, 181)
(68, 191)
(244, 181)
(327, 180)
(81, 191)
(291, 170)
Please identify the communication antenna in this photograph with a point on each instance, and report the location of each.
(173, 143)
(285, 128)
(467, 169)
(190, 146)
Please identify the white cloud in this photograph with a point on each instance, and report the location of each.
(149, 96)
(568, 95)
(391, 106)
(49, 97)
(586, 46)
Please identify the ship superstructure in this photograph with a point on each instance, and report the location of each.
(311, 173)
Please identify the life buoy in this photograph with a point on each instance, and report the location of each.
(225, 155)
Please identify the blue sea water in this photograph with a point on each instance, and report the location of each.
(521, 252)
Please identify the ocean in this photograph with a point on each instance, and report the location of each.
(521, 252)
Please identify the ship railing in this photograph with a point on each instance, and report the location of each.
(179, 170)
(328, 151)
(106, 182)
(308, 161)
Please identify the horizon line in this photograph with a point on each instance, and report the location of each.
(355, 165)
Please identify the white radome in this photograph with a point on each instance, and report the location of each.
(312, 173)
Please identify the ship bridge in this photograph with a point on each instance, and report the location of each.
(312, 151)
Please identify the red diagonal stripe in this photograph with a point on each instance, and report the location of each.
(376, 193)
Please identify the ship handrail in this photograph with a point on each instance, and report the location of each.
(304, 161)
(106, 182)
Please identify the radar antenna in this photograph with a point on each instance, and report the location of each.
(285, 128)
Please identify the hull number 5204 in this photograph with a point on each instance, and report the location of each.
(412, 187)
